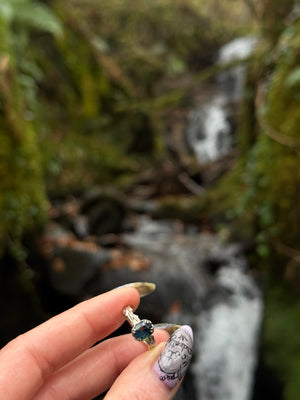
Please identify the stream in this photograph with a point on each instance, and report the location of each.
(201, 280)
(206, 284)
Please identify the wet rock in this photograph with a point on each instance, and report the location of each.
(72, 268)
(105, 210)
(142, 206)
(71, 263)
(80, 226)
(64, 212)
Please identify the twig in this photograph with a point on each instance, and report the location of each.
(191, 185)
(278, 136)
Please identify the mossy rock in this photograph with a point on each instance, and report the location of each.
(105, 209)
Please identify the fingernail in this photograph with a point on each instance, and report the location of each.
(170, 328)
(144, 288)
(175, 357)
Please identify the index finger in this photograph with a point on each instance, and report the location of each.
(29, 358)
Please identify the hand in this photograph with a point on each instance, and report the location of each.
(55, 361)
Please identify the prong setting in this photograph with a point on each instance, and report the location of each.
(142, 330)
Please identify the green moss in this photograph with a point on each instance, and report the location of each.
(272, 174)
(187, 209)
(261, 195)
(74, 163)
(22, 193)
(266, 179)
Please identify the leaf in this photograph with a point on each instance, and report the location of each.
(176, 65)
(6, 12)
(100, 44)
(38, 16)
(293, 79)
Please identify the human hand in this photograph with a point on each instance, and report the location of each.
(55, 361)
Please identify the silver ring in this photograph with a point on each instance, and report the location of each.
(142, 330)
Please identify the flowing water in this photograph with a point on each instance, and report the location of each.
(228, 340)
(210, 130)
(206, 284)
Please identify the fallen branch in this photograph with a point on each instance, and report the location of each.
(190, 184)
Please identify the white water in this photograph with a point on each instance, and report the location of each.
(232, 81)
(227, 343)
(209, 133)
(225, 309)
(239, 48)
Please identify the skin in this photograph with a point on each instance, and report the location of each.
(55, 361)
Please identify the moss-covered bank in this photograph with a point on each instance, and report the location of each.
(260, 197)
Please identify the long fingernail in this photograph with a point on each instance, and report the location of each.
(170, 328)
(175, 357)
(144, 288)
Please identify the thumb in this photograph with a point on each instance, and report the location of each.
(156, 374)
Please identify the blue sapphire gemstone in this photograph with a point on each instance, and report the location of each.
(143, 330)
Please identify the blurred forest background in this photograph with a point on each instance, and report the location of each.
(91, 93)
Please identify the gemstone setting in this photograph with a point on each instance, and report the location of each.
(142, 330)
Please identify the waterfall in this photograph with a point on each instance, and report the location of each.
(209, 132)
(232, 80)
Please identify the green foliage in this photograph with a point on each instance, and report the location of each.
(22, 200)
(271, 175)
(281, 344)
(84, 87)
(114, 72)
(22, 191)
(29, 14)
(261, 195)
(264, 202)
(76, 163)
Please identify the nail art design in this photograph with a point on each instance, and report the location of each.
(175, 357)
(144, 288)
